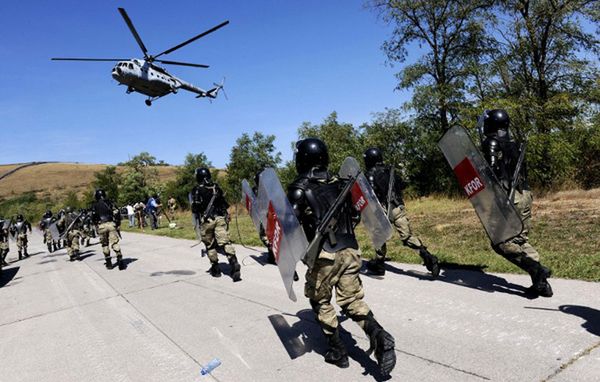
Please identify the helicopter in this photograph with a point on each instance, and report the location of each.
(146, 77)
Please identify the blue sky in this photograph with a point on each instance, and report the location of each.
(285, 62)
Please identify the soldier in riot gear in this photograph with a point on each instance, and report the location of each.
(108, 220)
(45, 223)
(378, 175)
(86, 227)
(210, 207)
(71, 222)
(503, 153)
(312, 194)
(4, 232)
(19, 230)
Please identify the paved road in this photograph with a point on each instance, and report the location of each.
(165, 317)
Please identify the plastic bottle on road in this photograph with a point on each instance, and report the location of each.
(210, 367)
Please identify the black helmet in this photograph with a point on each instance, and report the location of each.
(372, 156)
(68, 209)
(48, 214)
(310, 153)
(202, 174)
(496, 121)
(19, 217)
(100, 194)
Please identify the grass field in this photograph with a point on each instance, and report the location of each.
(58, 179)
(566, 232)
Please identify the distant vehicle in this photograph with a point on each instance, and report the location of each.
(146, 77)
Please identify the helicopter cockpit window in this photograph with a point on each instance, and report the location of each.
(130, 66)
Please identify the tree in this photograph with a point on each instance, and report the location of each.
(184, 177)
(452, 35)
(108, 180)
(140, 179)
(342, 139)
(249, 156)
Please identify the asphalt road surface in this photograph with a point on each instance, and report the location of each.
(164, 318)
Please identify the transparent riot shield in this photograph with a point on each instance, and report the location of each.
(498, 215)
(195, 220)
(54, 231)
(364, 200)
(251, 202)
(284, 232)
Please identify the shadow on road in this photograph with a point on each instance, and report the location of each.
(591, 315)
(47, 261)
(86, 254)
(305, 336)
(262, 258)
(466, 275)
(174, 272)
(7, 275)
(36, 253)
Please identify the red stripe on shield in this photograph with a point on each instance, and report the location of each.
(358, 198)
(274, 231)
(468, 178)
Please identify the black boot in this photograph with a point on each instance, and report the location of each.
(539, 275)
(270, 256)
(377, 266)
(214, 270)
(382, 343)
(4, 259)
(108, 262)
(336, 354)
(431, 262)
(25, 253)
(20, 256)
(76, 255)
(121, 263)
(49, 247)
(55, 246)
(235, 269)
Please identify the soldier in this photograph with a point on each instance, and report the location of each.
(45, 223)
(103, 214)
(312, 194)
(4, 232)
(19, 229)
(210, 207)
(378, 175)
(502, 153)
(72, 234)
(86, 227)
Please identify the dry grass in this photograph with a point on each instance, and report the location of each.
(4, 168)
(54, 179)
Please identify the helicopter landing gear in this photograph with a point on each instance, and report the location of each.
(148, 102)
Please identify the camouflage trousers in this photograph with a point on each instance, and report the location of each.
(109, 238)
(338, 270)
(73, 242)
(215, 236)
(48, 236)
(22, 242)
(399, 220)
(518, 250)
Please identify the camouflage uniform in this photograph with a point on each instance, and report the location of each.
(19, 229)
(312, 195)
(214, 226)
(379, 178)
(108, 219)
(72, 237)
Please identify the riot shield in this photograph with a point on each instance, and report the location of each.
(365, 201)
(251, 202)
(54, 231)
(498, 215)
(195, 220)
(283, 230)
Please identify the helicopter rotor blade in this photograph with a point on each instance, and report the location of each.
(133, 31)
(88, 59)
(182, 63)
(193, 39)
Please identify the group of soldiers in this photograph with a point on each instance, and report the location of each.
(69, 229)
(312, 195)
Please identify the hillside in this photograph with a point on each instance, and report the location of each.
(55, 179)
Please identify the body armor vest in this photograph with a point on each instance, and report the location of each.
(319, 194)
(201, 196)
(379, 177)
(503, 155)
